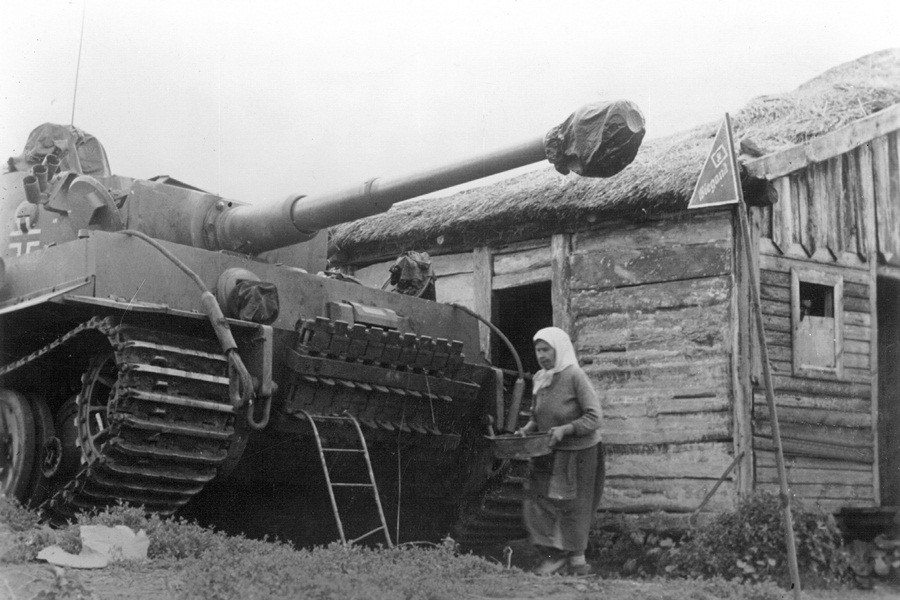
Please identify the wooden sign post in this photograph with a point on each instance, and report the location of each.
(719, 184)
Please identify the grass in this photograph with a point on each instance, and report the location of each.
(210, 565)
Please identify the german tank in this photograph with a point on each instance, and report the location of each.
(150, 330)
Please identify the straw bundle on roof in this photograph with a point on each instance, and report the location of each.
(660, 179)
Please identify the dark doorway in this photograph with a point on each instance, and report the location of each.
(889, 389)
(519, 312)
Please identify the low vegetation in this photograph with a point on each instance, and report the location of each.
(749, 544)
(15, 517)
(217, 566)
(210, 565)
(745, 545)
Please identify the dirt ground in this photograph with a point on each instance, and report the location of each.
(154, 582)
(157, 580)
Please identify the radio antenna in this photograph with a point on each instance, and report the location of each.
(78, 65)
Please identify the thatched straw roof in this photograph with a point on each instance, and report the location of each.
(660, 180)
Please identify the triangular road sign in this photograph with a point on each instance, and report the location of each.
(718, 182)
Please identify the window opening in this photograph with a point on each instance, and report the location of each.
(817, 323)
(816, 300)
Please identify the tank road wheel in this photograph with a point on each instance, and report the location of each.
(92, 420)
(17, 445)
(48, 455)
(67, 434)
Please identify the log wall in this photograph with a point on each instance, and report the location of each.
(652, 317)
(837, 217)
(826, 423)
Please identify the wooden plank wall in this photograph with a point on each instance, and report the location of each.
(826, 210)
(651, 312)
(832, 217)
(886, 179)
(826, 424)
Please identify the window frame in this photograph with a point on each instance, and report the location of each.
(837, 283)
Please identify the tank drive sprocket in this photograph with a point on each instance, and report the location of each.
(152, 420)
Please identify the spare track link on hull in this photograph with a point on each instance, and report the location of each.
(153, 419)
(385, 379)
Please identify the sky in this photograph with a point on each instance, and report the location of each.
(258, 100)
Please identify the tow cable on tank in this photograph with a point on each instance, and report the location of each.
(519, 387)
(240, 382)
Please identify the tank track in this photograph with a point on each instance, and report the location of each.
(496, 517)
(154, 424)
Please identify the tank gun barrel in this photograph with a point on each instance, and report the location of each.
(309, 214)
(598, 140)
(378, 195)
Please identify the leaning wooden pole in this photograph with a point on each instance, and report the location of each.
(767, 378)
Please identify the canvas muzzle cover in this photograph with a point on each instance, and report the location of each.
(597, 140)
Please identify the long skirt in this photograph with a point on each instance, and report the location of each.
(559, 507)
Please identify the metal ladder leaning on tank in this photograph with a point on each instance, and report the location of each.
(364, 450)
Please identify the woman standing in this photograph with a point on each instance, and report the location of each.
(564, 487)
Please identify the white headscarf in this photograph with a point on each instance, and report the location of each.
(565, 355)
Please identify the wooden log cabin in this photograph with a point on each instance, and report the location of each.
(656, 298)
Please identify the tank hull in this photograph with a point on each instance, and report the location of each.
(423, 408)
(113, 266)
